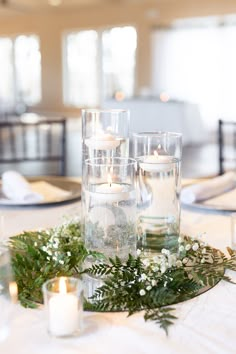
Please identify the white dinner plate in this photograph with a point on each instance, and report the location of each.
(225, 203)
(72, 192)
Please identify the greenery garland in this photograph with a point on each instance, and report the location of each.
(152, 285)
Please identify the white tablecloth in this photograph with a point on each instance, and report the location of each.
(206, 324)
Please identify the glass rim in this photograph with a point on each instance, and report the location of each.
(108, 110)
(158, 133)
(46, 290)
(110, 162)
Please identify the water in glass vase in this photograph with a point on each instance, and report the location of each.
(158, 204)
(110, 219)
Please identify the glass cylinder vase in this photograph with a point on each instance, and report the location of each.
(158, 183)
(110, 206)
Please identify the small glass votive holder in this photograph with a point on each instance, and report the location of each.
(63, 300)
(8, 292)
(158, 183)
(110, 214)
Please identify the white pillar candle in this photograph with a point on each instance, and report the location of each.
(63, 311)
(102, 141)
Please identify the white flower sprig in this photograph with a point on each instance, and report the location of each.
(189, 252)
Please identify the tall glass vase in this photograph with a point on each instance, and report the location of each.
(110, 217)
(158, 182)
(105, 135)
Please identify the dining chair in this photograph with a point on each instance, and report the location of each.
(42, 141)
(226, 145)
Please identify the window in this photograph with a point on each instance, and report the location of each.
(81, 68)
(198, 65)
(28, 69)
(97, 64)
(20, 70)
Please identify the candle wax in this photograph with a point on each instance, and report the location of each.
(111, 192)
(157, 163)
(63, 314)
(102, 141)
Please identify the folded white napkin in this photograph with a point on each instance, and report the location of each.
(16, 188)
(208, 189)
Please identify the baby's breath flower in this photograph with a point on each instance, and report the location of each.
(188, 247)
(163, 268)
(68, 253)
(195, 246)
(138, 252)
(35, 244)
(204, 251)
(61, 261)
(155, 269)
(203, 260)
(181, 248)
(143, 276)
(165, 252)
(149, 287)
(180, 239)
(142, 292)
(154, 282)
(146, 262)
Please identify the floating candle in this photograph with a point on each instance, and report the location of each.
(111, 192)
(157, 163)
(102, 141)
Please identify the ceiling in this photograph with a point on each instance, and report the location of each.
(14, 7)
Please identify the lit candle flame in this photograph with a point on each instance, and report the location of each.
(13, 290)
(155, 153)
(109, 179)
(62, 285)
